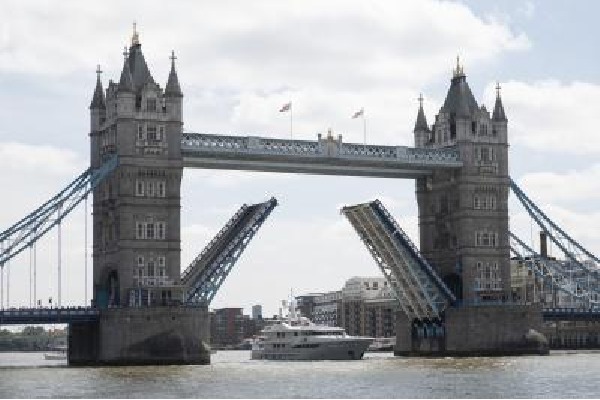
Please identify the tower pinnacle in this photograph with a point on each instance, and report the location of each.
(458, 71)
(126, 82)
(421, 123)
(135, 37)
(173, 88)
(98, 97)
(498, 114)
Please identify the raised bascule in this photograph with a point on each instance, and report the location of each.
(454, 292)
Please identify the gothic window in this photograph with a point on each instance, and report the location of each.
(484, 201)
(161, 230)
(161, 189)
(139, 230)
(485, 154)
(486, 239)
(151, 105)
(140, 132)
(150, 230)
(151, 133)
(151, 268)
(161, 261)
(140, 261)
(487, 276)
(161, 131)
(139, 188)
(150, 188)
(473, 127)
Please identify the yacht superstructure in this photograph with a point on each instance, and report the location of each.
(297, 338)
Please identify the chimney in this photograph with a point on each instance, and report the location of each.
(543, 244)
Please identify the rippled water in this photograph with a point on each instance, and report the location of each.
(233, 374)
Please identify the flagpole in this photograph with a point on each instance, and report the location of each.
(364, 129)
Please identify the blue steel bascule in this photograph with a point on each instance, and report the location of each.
(141, 143)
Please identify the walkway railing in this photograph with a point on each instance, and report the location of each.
(324, 147)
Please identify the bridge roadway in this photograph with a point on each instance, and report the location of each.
(325, 156)
(63, 315)
(67, 315)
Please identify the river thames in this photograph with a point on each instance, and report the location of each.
(379, 375)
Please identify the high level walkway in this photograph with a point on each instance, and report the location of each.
(325, 156)
(206, 273)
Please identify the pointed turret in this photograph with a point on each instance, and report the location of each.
(498, 114)
(460, 100)
(173, 88)
(421, 123)
(126, 82)
(98, 101)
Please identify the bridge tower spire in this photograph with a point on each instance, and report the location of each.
(463, 214)
(136, 243)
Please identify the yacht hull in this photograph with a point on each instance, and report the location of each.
(334, 350)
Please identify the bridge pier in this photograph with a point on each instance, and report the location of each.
(142, 336)
(481, 330)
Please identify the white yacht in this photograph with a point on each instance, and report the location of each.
(297, 338)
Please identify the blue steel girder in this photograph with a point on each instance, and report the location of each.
(65, 315)
(419, 290)
(569, 246)
(577, 283)
(189, 273)
(33, 226)
(208, 271)
(326, 156)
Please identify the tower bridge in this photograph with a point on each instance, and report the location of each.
(452, 292)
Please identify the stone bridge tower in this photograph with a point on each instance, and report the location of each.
(136, 212)
(463, 215)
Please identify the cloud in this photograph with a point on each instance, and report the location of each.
(571, 186)
(258, 44)
(551, 115)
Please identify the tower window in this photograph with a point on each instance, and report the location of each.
(150, 189)
(151, 133)
(161, 230)
(140, 261)
(151, 105)
(161, 189)
(140, 132)
(150, 268)
(150, 230)
(139, 191)
(139, 231)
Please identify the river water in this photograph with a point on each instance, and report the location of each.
(379, 375)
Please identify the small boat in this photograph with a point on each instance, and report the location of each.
(382, 344)
(297, 338)
(56, 353)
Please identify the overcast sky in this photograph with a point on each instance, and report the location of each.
(240, 61)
